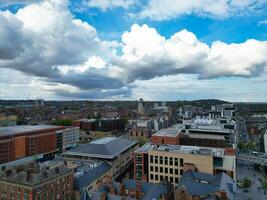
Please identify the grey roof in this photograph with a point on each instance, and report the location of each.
(150, 190)
(109, 149)
(202, 184)
(85, 179)
(36, 174)
(25, 129)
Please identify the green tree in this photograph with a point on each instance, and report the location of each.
(241, 146)
(264, 185)
(63, 122)
(142, 141)
(246, 183)
(251, 145)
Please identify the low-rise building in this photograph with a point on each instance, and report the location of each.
(31, 181)
(88, 177)
(195, 185)
(132, 190)
(118, 152)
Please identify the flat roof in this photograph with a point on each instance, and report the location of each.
(206, 136)
(107, 148)
(215, 152)
(26, 129)
(168, 132)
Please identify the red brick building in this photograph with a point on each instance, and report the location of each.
(22, 141)
(166, 136)
(30, 182)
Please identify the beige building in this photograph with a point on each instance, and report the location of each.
(169, 162)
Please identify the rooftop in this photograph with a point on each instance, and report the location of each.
(204, 185)
(168, 132)
(108, 148)
(33, 174)
(215, 152)
(87, 174)
(27, 129)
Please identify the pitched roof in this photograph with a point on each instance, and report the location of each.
(103, 148)
(202, 184)
(85, 179)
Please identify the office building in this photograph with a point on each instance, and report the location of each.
(22, 141)
(157, 163)
(117, 152)
(32, 181)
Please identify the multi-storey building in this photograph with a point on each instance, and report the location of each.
(117, 152)
(22, 141)
(32, 182)
(168, 162)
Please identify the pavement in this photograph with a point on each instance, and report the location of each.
(254, 192)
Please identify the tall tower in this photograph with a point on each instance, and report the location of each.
(140, 106)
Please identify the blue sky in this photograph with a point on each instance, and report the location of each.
(126, 49)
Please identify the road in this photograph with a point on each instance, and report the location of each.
(254, 192)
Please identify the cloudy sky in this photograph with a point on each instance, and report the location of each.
(127, 49)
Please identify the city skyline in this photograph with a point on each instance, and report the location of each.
(127, 49)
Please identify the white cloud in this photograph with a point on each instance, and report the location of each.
(147, 54)
(108, 4)
(167, 9)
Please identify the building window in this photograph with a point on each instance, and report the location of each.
(151, 168)
(181, 172)
(161, 160)
(176, 172)
(156, 177)
(166, 160)
(151, 176)
(176, 161)
(151, 159)
(171, 179)
(166, 170)
(161, 169)
(156, 169)
(171, 161)
(156, 159)
(181, 162)
(176, 180)
(171, 171)
(161, 178)
(166, 178)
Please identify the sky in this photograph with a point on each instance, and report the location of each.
(130, 49)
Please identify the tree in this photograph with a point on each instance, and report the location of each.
(251, 145)
(241, 146)
(63, 122)
(264, 185)
(142, 141)
(246, 183)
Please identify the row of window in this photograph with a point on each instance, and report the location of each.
(164, 178)
(166, 170)
(166, 160)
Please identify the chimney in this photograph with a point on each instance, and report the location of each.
(45, 174)
(8, 172)
(57, 170)
(28, 176)
(223, 195)
(103, 196)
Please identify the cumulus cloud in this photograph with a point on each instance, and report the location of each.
(40, 39)
(44, 40)
(167, 9)
(147, 54)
